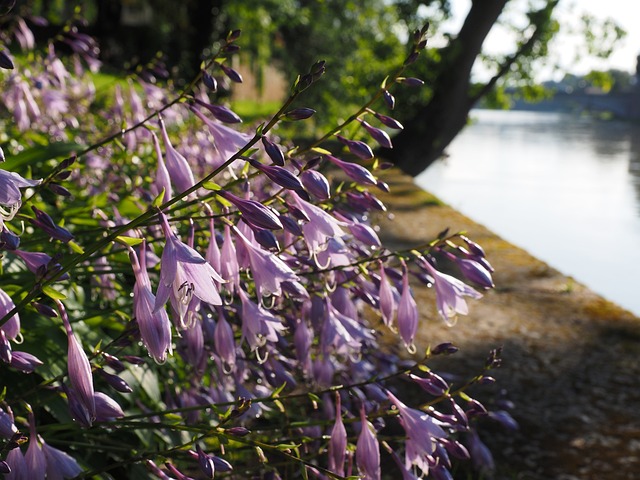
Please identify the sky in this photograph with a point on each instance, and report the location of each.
(563, 51)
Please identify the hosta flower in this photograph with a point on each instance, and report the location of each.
(79, 368)
(36, 463)
(268, 270)
(407, 313)
(449, 294)
(320, 227)
(184, 273)
(11, 328)
(177, 166)
(422, 431)
(338, 442)
(10, 196)
(60, 464)
(367, 450)
(226, 141)
(386, 298)
(154, 325)
(163, 179)
(258, 324)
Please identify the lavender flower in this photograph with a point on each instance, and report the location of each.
(316, 184)
(184, 273)
(268, 270)
(386, 298)
(354, 171)
(258, 324)
(17, 464)
(422, 431)
(10, 196)
(59, 464)
(154, 325)
(11, 329)
(358, 148)
(377, 134)
(449, 293)
(46, 224)
(367, 450)
(177, 166)
(36, 464)
(407, 313)
(79, 368)
(338, 442)
(320, 227)
(254, 212)
(163, 179)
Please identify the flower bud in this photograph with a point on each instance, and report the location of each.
(220, 112)
(411, 81)
(446, 348)
(5, 61)
(231, 73)
(389, 99)
(354, 171)
(359, 149)
(209, 81)
(299, 113)
(115, 381)
(378, 135)
(275, 154)
(316, 184)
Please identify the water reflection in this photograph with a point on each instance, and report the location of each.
(565, 188)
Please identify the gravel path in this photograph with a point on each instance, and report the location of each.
(571, 362)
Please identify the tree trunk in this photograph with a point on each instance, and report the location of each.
(426, 136)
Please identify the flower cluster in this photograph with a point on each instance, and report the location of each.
(184, 287)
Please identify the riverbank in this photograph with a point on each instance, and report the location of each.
(571, 359)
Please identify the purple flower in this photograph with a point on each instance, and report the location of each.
(268, 270)
(184, 273)
(25, 362)
(358, 148)
(407, 313)
(60, 464)
(338, 442)
(449, 293)
(254, 213)
(229, 267)
(354, 171)
(36, 464)
(18, 465)
(367, 450)
(224, 343)
(320, 227)
(155, 327)
(7, 427)
(258, 324)
(11, 328)
(221, 113)
(177, 166)
(316, 184)
(386, 298)
(46, 224)
(10, 196)
(163, 179)
(79, 368)
(377, 134)
(226, 141)
(422, 431)
(273, 151)
(388, 121)
(480, 455)
(107, 409)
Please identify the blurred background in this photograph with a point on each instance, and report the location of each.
(528, 120)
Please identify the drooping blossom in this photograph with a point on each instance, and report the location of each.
(79, 368)
(320, 227)
(338, 442)
(11, 328)
(407, 317)
(60, 464)
(386, 298)
(259, 325)
(184, 273)
(36, 463)
(10, 196)
(163, 179)
(224, 343)
(268, 270)
(316, 184)
(226, 141)
(422, 431)
(356, 172)
(154, 325)
(254, 213)
(449, 294)
(367, 450)
(177, 166)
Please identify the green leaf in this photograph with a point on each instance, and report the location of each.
(128, 241)
(75, 247)
(211, 186)
(52, 293)
(278, 390)
(159, 200)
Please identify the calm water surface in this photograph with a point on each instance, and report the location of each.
(565, 188)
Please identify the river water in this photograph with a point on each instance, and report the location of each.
(565, 188)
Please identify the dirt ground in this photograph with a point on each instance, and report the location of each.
(571, 360)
